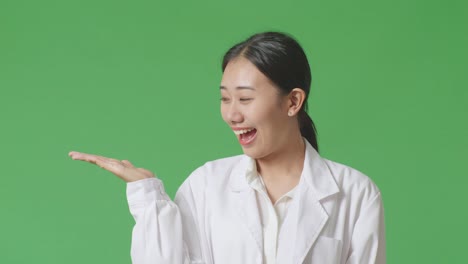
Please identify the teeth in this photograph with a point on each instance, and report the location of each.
(239, 132)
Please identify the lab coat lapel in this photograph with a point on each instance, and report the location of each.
(306, 216)
(304, 221)
(247, 206)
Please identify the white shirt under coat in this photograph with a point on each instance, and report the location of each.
(335, 216)
(271, 215)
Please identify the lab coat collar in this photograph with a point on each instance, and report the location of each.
(247, 206)
(315, 174)
(306, 216)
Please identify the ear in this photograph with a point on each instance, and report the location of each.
(295, 100)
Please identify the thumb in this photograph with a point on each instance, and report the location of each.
(128, 163)
(146, 172)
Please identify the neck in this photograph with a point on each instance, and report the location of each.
(285, 166)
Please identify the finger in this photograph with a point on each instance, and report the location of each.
(79, 155)
(82, 156)
(86, 157)
(112, 165)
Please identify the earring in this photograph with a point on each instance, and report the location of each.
(289, 113)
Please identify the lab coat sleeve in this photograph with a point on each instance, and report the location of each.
(368, 238)
(157, 236)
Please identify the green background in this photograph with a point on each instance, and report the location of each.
(139, 80)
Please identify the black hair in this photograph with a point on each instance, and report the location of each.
(281, 59)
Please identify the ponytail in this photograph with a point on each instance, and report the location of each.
(308, 130)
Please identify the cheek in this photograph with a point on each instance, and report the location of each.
(265, 114)
(270, 123)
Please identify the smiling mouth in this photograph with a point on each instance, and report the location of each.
(243, 131)
(246, 136)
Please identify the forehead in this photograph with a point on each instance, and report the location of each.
(240, 72)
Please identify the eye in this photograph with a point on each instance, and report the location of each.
(245, 99)
(224, 99)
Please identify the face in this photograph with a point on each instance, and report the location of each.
(254, 109)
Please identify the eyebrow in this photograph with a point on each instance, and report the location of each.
(239, 88)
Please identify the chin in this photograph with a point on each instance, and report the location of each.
(250, 152)
(253, 152)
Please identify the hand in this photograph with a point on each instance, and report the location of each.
(121, 168)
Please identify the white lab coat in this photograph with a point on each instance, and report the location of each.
(336, 217)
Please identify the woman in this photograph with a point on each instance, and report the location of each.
(279, 202)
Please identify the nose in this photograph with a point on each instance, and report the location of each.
(233, 115)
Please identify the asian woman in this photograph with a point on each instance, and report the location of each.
(278, 202)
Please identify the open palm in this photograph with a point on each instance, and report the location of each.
(124, 169)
